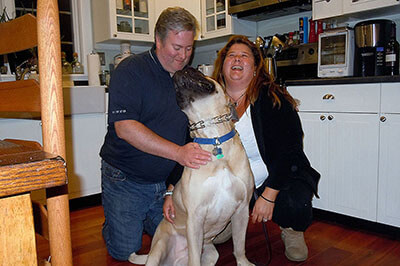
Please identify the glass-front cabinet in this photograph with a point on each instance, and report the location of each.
(215, 18)
(122, 20)
(216, 22)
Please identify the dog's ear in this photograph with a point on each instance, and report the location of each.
(191, 84)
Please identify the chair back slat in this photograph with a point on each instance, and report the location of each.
(18, 34)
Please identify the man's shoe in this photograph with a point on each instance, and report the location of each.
(137, 259)
(295, 246)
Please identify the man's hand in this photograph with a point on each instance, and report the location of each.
(191, 155)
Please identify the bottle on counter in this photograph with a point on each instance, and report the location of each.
(313, 36)
(320, 28)
(66, 66)
(301, 30)
(77, 67)
(392, 54)
(290, 41)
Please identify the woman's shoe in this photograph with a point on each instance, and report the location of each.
(295, 246)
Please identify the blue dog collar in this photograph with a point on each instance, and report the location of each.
(216, 141)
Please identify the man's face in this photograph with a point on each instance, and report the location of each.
(175, 51)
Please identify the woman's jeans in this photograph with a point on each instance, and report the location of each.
(129, 208)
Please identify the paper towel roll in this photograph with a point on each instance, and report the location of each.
(93, 62)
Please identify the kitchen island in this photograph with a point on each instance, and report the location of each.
(85, 128)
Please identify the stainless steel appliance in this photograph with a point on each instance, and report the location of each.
(336, 53)
(297, 62)
(371, 38)
(256, 10)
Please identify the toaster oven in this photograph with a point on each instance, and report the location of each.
(336, 53)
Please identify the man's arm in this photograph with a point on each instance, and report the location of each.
(144, 139)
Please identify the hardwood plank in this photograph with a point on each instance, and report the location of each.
(329, 244)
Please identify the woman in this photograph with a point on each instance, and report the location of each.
(271, 133)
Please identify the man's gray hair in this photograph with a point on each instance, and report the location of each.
(175, 19)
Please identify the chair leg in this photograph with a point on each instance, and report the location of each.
(40, 219)
(17, 231)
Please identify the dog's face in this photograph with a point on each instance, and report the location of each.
(198, 96)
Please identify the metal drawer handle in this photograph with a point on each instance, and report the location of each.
(322, 117)
(382, 118)
(328, 96)
(330, 117)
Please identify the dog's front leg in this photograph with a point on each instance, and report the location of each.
(194, 233)
(239, 226)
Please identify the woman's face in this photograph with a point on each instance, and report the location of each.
(238, 67)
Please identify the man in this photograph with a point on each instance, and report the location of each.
(146, 136)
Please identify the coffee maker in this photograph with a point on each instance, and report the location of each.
(371, 38)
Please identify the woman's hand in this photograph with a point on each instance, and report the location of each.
(168, 209)
(262, 210)
(264, 206)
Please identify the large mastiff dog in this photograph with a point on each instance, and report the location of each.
(208, 198)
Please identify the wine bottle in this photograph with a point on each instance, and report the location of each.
(392, 54)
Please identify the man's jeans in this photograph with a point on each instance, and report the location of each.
(129, 207)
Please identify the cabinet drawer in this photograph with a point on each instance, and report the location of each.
(352, 6)
(338, 98)
(326, 8)
(390, 98)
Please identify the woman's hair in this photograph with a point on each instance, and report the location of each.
(261, 77)
(175, 19)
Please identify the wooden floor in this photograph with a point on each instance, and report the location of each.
(328, 242)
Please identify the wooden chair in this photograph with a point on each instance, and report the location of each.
(24, 166)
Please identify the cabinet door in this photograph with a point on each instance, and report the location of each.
(389, 170)
(315, 146)
(353, 163)
(351, 6)
(215, 18)
(114, 20)
(327, 8)
(216, 22)
(84, 135)
(192, 6)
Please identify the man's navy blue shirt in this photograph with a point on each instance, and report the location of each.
(141, 90)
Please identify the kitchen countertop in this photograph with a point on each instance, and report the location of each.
(343, 80)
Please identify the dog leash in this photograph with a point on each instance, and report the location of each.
(267, 238)
(217, 141)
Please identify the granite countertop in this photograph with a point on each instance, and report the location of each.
(343, 80)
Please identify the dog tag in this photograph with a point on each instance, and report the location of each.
(217, 152)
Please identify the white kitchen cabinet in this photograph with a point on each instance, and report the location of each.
(84, 134)
(216, 22)
(326, 8)
(352, 6)
(118, 20)
(322, 9)
(194, 7)
(389, 156)
(213, 18)
(84, 138)
(341, 128)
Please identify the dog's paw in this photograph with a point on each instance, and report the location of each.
(137, 259)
